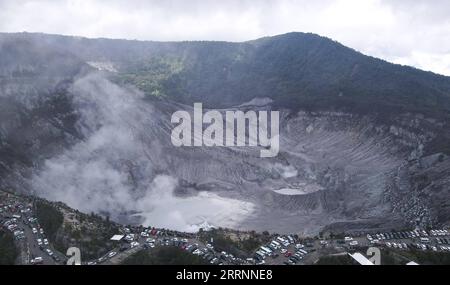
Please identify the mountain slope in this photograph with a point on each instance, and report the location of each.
(296, 70)
(87, 121)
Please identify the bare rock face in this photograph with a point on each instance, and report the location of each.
(335, 170)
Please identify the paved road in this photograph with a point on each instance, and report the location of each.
(315, 248)
(29, 246)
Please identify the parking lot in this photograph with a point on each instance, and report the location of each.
(16, 216)
(432, 240)
(151, 238)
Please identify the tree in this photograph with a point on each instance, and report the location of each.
(8, 250)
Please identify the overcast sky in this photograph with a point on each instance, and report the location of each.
(412, 32)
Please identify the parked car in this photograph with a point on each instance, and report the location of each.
(37, 260)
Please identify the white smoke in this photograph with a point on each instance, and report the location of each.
(110, 172)
(286, 171)
(160, 208)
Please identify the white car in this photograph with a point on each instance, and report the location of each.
(41, 231)
(112, 254)
(353, 243)
(34, 230)
(283, 250)
(37, 260)
(303, 251)
(45, 241)
(209, 246)
(39, 241)
(12, 227)
(134, 244)
(274, 246)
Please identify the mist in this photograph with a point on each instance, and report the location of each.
(111, 172)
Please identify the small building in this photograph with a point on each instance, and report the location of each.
(412, 263)
(361, 259)
(117, 237)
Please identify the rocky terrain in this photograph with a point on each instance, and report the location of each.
(89, 125)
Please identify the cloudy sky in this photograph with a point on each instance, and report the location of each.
(412, 32)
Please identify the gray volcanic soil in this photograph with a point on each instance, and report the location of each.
(339, 171)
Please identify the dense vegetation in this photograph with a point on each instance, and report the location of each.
(8, 250)
(50, 219)
(296, 70)
(164, 256)
(336, 260)
(91, 235)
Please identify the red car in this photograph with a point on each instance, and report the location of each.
(288, 254)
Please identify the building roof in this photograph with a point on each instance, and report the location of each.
(361, 259)
(117, 237)
(412, 263)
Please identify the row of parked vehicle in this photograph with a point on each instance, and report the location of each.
(280, 245)
(406, 234)
(210, 255)
(38, 232)
(423, 246)
(24, 215)
(11, 225)
(397, 245)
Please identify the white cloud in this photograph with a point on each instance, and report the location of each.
(410, 32)
(435, 62)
